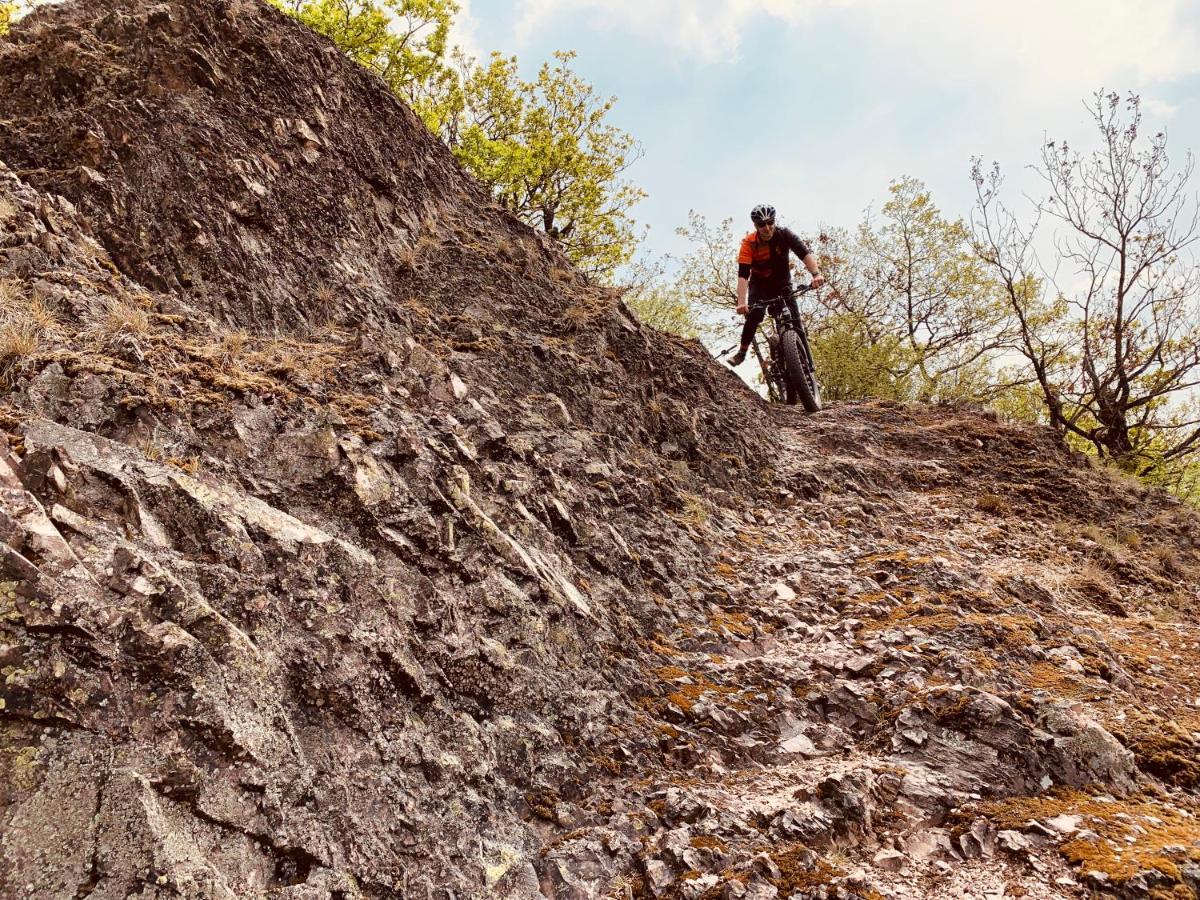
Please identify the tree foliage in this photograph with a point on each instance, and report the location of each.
(551, 157)
(922, 281)
(659, 302)
(9, 12)
(706, 276)
(859, 353)
(853, 363)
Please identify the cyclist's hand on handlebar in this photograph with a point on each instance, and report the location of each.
(817, 281)
(743, 309)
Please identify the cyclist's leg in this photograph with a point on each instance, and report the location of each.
(795, 308)
(753, 320)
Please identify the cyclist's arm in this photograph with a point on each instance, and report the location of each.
(745, 258)
(807, 257)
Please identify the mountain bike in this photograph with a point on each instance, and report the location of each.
(788, 368)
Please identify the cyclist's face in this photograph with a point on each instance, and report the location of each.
(766, 231)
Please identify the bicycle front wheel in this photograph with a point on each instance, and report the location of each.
(802, 380)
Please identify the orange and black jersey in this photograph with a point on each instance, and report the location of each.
(765, 263)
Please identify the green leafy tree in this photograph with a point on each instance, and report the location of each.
(707, 276)
(859, 353)
(853, 364)
(658, 301)
(10, 11)
(929, 287)
(403, 41)
(550, 156)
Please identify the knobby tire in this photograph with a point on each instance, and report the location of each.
(800, 380)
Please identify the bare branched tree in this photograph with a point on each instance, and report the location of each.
(708, 273)
(1112, 332)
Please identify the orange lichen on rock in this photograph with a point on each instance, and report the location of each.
(685, 698)
(1163, 747)
(1131, 837)
(670, 673)
(733, 623)
(799, 872)
(662, 646)
(1049, 677)
(686, 695)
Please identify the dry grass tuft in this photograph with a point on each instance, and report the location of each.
(1169, 561)
(232, 349)
(122, 320)
(562, 275)
(576, 317)
(993, 503)
(1095, 584)
(240, 361)
(325, 295)
(694, 512)
(123, 328)
(18, 340)
(1128, 538)
(1111, 552)
(25, 323)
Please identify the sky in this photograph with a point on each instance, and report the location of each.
(815, 105)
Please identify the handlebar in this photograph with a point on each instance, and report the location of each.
(802, 289)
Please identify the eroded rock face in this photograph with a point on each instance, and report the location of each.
(226, 199)
(332, 540)
(355, 546)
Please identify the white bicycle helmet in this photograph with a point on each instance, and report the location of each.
(763, 214)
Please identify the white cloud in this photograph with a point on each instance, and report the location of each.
(1159, 109)
(464, 33)
(1056, 43)
(708, 30)
(1052, 45)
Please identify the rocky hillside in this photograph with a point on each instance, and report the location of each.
(354, 545)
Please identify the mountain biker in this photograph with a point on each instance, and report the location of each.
(764, 272)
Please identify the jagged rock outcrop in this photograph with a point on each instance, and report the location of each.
(354, 545)
(338, 507)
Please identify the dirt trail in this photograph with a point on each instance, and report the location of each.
(904, 659)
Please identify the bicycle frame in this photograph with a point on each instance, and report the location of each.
(781, 320)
